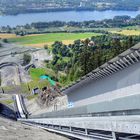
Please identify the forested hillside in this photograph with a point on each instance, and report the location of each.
(83, 56)
(73, 26)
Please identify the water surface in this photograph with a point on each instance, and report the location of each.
(23, 19)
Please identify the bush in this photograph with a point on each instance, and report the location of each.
(26, 59)
(5, 40)
(46, 47)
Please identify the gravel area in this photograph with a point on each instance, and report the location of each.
(40, 56)
(58, 104)
(9, 76)
(11, 130)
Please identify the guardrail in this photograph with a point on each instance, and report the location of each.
(92, 128)
(117, 119)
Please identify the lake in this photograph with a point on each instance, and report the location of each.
(23, 19)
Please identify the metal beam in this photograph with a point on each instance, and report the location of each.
(114, 136)
(102, 73)
(93, 75)
(114, 70)
(117, 65)
(112, 65)
(107, 68)
(106, 71)
(123, 62)
(137, 53)
(99, 74)
(130, 59)
(126, 60)
(132, 54)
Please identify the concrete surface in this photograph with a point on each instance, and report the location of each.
(122, 124)
(10, 76)
(15, 75)
(11, 130)
(58, 104)
(120, 84)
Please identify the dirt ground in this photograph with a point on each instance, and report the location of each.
(58, 104)
(9, 76)
(11, 130)
(41, 45)
(7, 35)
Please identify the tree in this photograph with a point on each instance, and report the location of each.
(80, 58)
(26, 59)
(130, 42)
(46, 47)
(5, 40)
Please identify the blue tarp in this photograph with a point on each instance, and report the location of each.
(49, 79)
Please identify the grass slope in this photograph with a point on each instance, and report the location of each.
(36, 73)
(51, 37)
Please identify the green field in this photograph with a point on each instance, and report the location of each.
(51, 37)
(36, 73)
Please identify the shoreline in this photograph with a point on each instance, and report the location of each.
(65, 10)
(64, 17)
